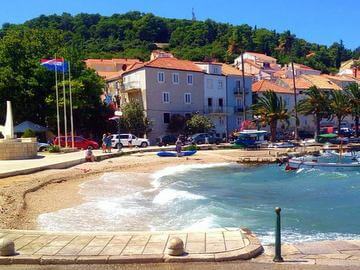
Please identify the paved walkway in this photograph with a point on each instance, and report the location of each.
(36, 247)
(335, 253)
(46, 161)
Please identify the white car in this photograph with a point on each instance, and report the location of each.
(124, 140)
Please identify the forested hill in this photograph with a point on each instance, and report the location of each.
(133, 35)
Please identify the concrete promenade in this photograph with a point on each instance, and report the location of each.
(37, 247)
(46, 161)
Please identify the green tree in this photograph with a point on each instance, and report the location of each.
(353, 91)
(134, 120)
(199, 123)
(271, 109)
(316, 103)
(339, 106)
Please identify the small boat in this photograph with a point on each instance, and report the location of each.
(174, 154)
(303, 163)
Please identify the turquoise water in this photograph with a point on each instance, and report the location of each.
(316, 205)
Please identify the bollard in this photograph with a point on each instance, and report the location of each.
(277, 257)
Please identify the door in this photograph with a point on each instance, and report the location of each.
(124, 139)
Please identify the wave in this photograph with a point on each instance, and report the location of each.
(173, 170)
(168, 195)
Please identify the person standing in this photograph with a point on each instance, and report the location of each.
(178, 146)
(108, 142)
(130, 141)
(103, 146)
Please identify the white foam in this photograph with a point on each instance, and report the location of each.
(181, 169)
(168, 195)
(205, 223)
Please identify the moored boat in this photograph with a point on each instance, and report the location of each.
(302, 163)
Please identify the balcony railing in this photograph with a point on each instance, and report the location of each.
(131, 85)
(239, 91)
(218, 110)
(240, 109)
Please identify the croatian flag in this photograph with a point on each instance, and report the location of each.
(58, 64)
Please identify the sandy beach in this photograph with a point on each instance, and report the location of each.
(24, 198)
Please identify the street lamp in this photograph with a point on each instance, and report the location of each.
(118, 114)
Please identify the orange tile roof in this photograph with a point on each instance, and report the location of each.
(339, 78)
(168, 63)
(252, 63)
(296, 65)
(321, 82)
(279, 73)
(300, 83)
(230, 70)
(264, 85)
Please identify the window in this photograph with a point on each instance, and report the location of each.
(221, 102)
(216, 70)
(220, 84)
(166, 118)
(190, 79)
(238, 121)
(161, 77)
(209, 83)
(175, 78)
(166, 97)
(210, 102)
(187, 98)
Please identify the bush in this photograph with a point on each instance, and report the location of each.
(54, 149)
(191, 147)
(28, 133)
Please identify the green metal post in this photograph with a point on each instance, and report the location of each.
(278, 257)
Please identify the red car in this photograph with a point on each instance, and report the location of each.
(79, 142)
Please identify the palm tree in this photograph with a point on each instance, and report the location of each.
(339, 106)
(353, 91)
(271, 109)
(316, 103)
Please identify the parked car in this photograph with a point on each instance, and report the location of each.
(42, 146)
(303, 134)
(79, 142)
(201, 138)
(124, 140)
(344, 131)
(166, 140)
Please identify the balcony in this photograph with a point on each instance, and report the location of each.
(238, 91)
(131, 86)
(218, 110)
(240, 109)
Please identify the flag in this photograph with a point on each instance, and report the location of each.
(58, 64)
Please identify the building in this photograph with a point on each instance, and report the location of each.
(299, 69)
(261, 66)
(164, 86)
(111, 70)
(215, 98)
(235, 97)
(350, 68)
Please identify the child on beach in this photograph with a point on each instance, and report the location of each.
(89, 155)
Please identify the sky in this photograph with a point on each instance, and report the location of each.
(320, 21)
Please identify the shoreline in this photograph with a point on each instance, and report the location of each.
(24, 197)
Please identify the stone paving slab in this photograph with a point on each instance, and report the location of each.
(37, 247)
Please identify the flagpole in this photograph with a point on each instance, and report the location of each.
(71, 110)
(57, 103)
(64, 95)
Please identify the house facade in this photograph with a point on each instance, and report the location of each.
(261, 66)
(235, 97)
(165, 86)
(215, 102)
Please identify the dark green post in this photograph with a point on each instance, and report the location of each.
(278, 257)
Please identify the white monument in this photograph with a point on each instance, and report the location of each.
(12, 148)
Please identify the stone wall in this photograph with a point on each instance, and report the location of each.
(24, 148)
